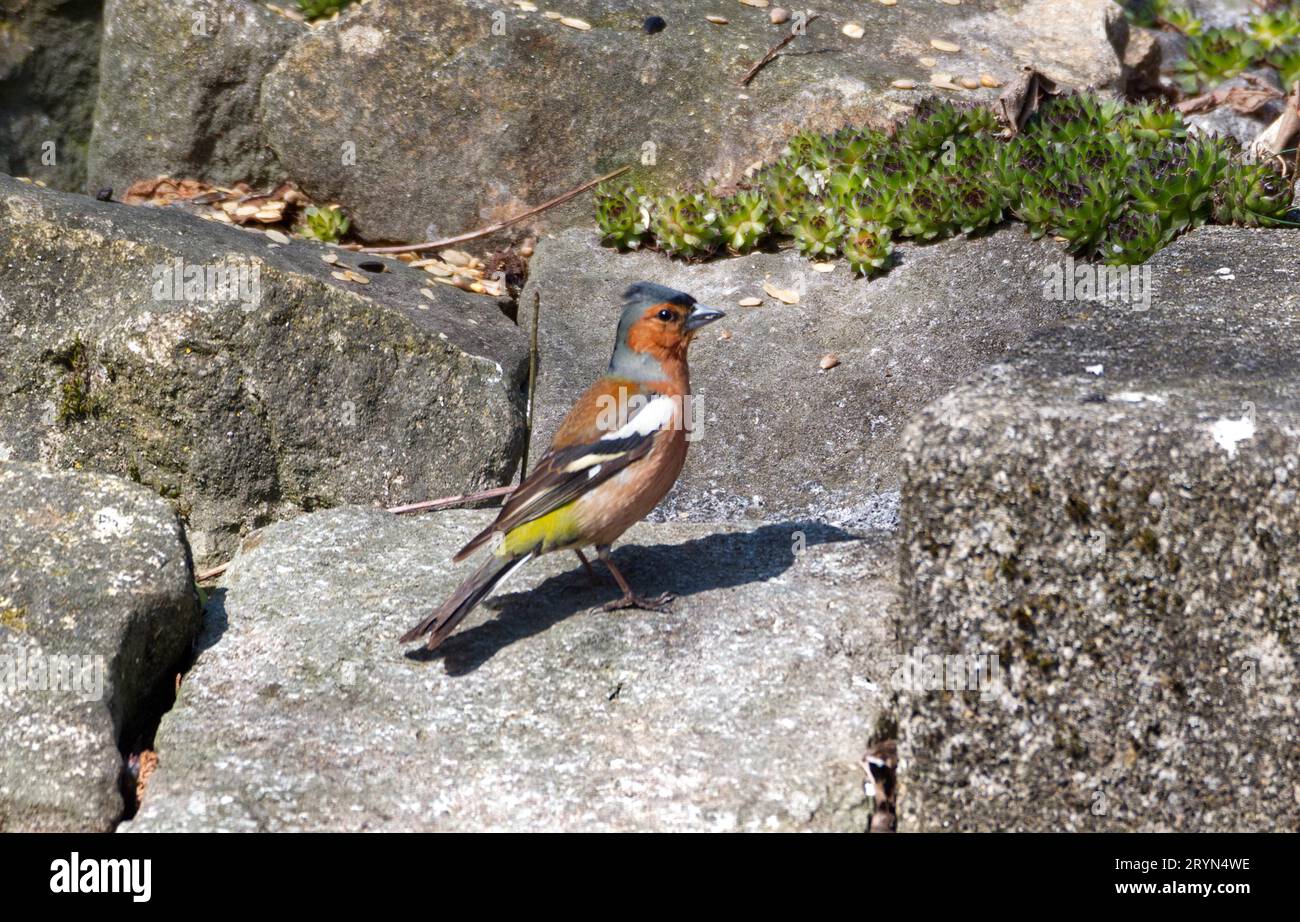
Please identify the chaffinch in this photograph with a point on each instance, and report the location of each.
(615, 456)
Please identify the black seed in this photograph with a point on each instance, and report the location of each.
(654, 24)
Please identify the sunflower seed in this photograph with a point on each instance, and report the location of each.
(750, 302)
(943, 81)
(904, 84)
(357, 277)
(428, 293)
(277, 236)
(886, 2)
(989, 80)
(550, 14)
(853, 30)
(718, 20)
(928, 62)
(330, 258)
(456, 257)
(941, 45)
(761, 4)
(823, 267)
(778, 15)
(829, 361)
(969, 83)
(574, 23)
(341, 276)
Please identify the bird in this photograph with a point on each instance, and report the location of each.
(617, 453)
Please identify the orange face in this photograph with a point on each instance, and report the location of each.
(661, 331)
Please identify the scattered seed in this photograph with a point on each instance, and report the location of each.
(551, 14)
(456, 257)
(761, 4)
(428, 293)
(724, 334)
(341, 276)
(574, 23)
(943, 81)
(969, 83)
(277, 236)
(718, 20)
(785, 295)
(989, 80)
(330, 258)
(245, 211)
(886, 2)
(904, 84)
(953, 2)
(356, 277)
(853, 30)
(823, 267)
(750, 302)
(940, 45)
(928, 62)
(778, 15)
(829, 361)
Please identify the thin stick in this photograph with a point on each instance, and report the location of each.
(446, 502)
(500, 225)
(449, 502)
(772, 52)
(532, 381)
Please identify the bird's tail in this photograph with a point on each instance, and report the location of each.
(474, 590)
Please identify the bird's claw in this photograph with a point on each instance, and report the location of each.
(660, 603)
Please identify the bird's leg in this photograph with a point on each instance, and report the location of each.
(586, 565)
(630, 599)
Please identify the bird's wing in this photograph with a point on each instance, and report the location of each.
(565, 474)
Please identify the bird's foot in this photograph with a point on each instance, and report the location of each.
(660, 603)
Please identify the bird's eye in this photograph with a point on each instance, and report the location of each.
(665, 315)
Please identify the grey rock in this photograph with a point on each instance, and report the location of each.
(471, 111)
(97, 614)
(312, 392)
(1125, 543)
(777, 435)
(49, 61)
(179, 89)
(748, 706)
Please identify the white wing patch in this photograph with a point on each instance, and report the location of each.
(653, 416)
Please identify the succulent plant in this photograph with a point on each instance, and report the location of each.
(1134, 238)
(1216, 55)
(686, 224)
(1253, 194)
(1176, 183)
(934, 122)
(817, 231)
(1149, 126)
(1085, 210)
(785, 191)
(623, 215)
(1182, 19)
(867, 247)
(1274, 30)
(926, 213)
(316, 9)
(328, 225)
(1287, 62)
(746, 218)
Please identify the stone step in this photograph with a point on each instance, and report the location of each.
(1112, 513)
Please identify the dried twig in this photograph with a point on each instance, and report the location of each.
(1020, 100)
(446, 502)
(500, 225)
(1276, 138)
(532, 381)
(1242, 99)
(795, 32)
(450, 502)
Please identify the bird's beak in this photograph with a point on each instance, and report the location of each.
(702, 316)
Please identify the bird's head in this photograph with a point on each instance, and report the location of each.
(656, 327)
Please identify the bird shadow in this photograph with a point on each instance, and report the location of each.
(718, 561)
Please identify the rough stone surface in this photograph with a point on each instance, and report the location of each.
(1125, 542)
(97, 613)
(778, 435)
(466, 111)
(313, 392)
(179, 89)
(748, 706)
(49, 59)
